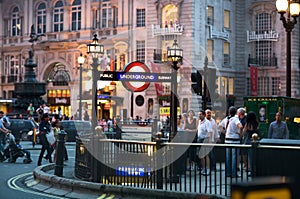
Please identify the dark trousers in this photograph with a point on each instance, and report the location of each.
(45, 146)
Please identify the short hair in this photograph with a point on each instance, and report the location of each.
(202, 111)
(1, 112)
(207, 110)
(242, 111)
(232, 111)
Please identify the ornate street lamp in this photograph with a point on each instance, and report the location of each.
(80, 61)
(95, 49)
(292, 10)
(174, 54)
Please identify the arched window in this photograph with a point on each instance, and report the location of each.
(58, 17)
(59, 75)
(169, 19)
(76, 15)
(41, 18)
(15, 22)
(264, 50)
(169, 15)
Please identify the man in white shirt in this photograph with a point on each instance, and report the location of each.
(215, 137)
(46, 108)
(205, 133)
(232, 136)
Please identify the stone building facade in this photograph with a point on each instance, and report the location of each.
(231, 34)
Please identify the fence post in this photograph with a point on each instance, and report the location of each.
(159, 160)
(59, 164)
(254, 153)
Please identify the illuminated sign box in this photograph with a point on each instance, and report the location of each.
(132, 171)
(264, 188)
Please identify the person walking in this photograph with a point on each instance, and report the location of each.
(233, 128)
(30, 109)
(44, 128)
(278, 129)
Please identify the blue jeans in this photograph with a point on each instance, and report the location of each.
(231, 161)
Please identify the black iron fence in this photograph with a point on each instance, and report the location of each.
(171, 166)
(161, 165)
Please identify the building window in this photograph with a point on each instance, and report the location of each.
(140, 51)
(226, 50)
(263, 86)
(210, 15)
(106, 20)
(276, 87)
(58, 20)
(140, 17)
(41, 18)
(227, 86)
(210, 50)
(226, 19)
(15, 22)
(13, 69)
(170, 15)
(263, 49)
(76, 15)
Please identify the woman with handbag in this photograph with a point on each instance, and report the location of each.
(44, 128)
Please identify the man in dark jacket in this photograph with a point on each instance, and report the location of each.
(44, 128)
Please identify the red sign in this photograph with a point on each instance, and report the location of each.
(158, 85)
(136, 67)
(253, 80)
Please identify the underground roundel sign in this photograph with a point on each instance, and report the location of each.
(136, 70)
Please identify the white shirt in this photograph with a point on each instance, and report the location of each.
(215, 132)
(232, 131)
(46, 109)
(204, 129)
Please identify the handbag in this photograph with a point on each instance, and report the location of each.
(50, 137)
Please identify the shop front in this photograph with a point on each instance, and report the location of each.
(59, 99)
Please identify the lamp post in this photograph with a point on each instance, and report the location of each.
(94, 49)
(175, 55)
(80, 61)
(291, 10)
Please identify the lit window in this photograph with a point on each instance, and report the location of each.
(210, 15)
(226, 19)
(210, 50)
(226, 49)
(15, 22)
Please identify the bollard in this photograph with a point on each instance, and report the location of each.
(159, 158)
(59, 164)
(255, 144)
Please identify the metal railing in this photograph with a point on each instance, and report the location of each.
(159, 165)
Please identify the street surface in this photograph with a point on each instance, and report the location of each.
(13, 175)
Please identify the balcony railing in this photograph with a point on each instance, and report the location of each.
(262, 61)
(176, 29)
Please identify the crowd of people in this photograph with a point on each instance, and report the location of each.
(236, 128)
